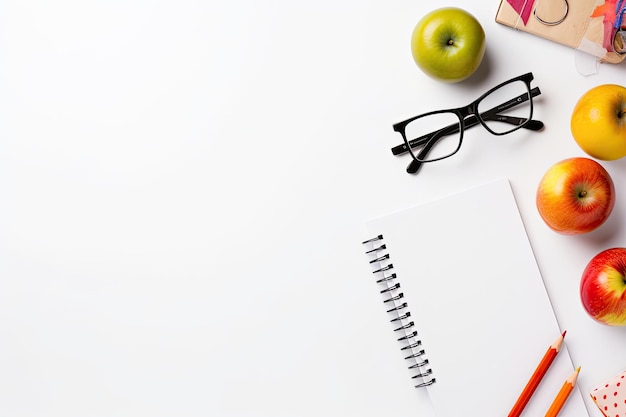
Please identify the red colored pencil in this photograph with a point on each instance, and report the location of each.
(563, 394)
(536, 377)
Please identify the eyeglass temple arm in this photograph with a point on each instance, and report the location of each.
(490, 114)
(469, 122)
(415, 165)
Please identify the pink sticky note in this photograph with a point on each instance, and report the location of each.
(523, 8)
(610, 397)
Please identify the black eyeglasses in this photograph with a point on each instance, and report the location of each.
(504, 109)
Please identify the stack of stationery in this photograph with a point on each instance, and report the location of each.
(586, 25)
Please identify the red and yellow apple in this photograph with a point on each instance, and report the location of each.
(575, 196)
(598, 122)
(448, 44)
(603, 287)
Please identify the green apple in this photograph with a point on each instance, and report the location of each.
(448, 44)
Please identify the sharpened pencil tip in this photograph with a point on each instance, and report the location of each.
(563, 334)
(578, 369)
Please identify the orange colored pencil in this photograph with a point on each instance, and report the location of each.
(536, 377)
(563, 394)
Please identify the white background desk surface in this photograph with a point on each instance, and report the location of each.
(184, 186)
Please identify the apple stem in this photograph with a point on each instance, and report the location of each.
(450, 42)
(582, 194)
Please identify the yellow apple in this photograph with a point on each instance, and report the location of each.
(598, 122)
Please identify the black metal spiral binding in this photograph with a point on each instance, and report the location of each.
(394, 297)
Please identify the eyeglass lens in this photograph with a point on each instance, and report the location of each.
(442, 131)
(501, 119)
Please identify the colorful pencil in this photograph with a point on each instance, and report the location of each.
(536, 377)
(563, 394)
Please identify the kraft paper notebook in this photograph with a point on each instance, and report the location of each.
(586, 25)
(466, 301)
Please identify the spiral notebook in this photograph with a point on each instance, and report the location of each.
(467, 303)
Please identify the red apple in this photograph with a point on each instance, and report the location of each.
(575, 196)
(603, 287)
